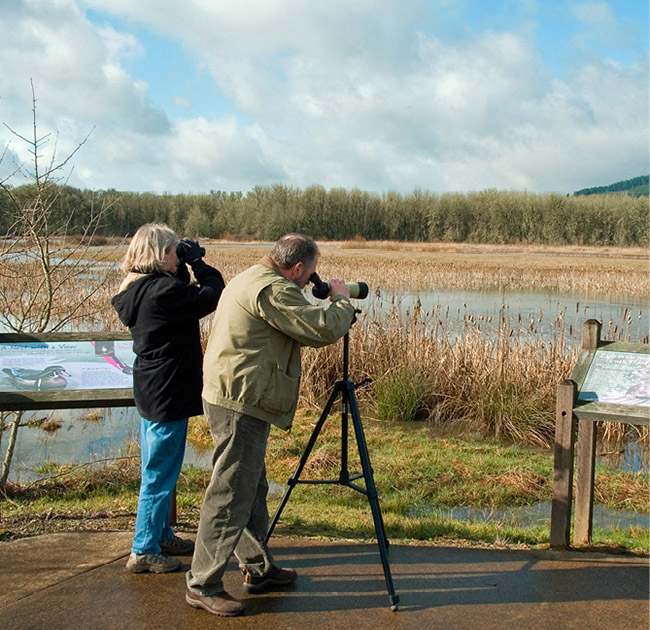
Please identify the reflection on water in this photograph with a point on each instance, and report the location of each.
(80, 440)
(633, 456)
(531, 515)
(77, 440)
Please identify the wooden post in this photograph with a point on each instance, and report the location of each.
(585, 470)
(586, 454)
(591, 334)
(563, 464)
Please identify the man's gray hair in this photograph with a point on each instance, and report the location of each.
(294, 248)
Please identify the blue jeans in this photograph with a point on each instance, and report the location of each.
(162, 445)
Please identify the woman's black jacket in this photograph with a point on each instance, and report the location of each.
(162, 312)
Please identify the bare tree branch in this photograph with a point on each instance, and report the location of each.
(44, 285)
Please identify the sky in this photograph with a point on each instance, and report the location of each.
(382, 95)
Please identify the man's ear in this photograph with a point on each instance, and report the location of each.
(296, 270)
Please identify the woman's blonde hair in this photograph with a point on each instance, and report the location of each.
(146, 253)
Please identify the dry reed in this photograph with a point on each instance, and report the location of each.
(418, 266)
(501, 384)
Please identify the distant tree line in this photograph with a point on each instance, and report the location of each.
(637, 187)
(267, 212)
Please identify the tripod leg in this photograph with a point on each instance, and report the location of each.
(303, 460)
(371, 491)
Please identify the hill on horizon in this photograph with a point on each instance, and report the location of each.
(635, 187)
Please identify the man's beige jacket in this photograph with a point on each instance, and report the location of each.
(252, 361)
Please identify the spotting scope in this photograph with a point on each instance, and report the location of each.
(321, 290)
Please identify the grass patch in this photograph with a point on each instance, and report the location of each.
(421, 479)
(403, 395)
(415, 468)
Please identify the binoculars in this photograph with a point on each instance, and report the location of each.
(188, 250)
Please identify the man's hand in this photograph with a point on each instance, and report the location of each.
(338, 287)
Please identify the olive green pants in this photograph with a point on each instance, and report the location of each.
(234, 516)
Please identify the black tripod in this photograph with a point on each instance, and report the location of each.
(349, 407)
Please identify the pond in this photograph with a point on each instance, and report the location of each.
(84, 436)
(529, 314)
(531, 515)
(81, 440)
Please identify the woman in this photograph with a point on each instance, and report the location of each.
(162, 310)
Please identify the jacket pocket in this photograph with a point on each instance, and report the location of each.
(281, 393)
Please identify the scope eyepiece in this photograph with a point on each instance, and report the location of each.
(321, 290)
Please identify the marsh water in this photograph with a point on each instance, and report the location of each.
(529, 315)
(81, 440)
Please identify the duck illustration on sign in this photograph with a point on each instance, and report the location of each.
(50, 378)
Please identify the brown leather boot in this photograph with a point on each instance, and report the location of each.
(275, 577)
(221, 604)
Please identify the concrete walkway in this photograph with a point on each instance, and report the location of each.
(78, 580)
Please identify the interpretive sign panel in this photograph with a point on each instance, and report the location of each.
(621, 378)
(65, 370)
(57, 365)
(610, 382)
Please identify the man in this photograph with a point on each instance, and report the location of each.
(251, 374)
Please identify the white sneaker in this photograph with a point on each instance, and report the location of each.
(152, 563)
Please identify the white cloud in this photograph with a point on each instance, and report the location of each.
(78, 80)
(119, 45)
(219, 153)
(367, 94)
(184, 103)
(600, 25)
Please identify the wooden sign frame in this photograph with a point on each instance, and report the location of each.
(575, 430)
